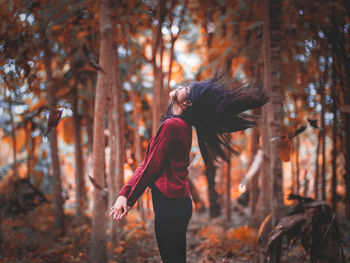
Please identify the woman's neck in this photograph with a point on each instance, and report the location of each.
(177, 110)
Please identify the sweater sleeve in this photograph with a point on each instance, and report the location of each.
(157, 154)
(125, 191)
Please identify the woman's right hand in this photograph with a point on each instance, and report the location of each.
(120, 208)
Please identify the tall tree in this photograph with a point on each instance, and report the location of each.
(80, 194)
(57, 200)
(116, 138)
(157, 63)
(272, 74)
(323, 81)
(98, 252)
(334, 137)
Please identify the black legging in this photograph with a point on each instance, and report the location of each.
(171, 217)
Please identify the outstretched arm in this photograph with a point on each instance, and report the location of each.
(157, 154)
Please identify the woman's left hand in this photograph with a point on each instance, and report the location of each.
(120, 208)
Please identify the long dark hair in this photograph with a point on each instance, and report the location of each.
(217, 106)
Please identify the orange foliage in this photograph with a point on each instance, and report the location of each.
(82, 34)
(286, 149)
(212, 232)
(65, 129)
(20, 135)
(38, 105)
(244, 234)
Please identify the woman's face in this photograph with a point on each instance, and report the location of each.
(179, 100)
(180, 94)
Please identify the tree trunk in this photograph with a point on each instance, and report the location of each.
(214, 205)
(111, 175)
(335, 136)
(80, 194)
(88, 110)
(228, 188)
(196, 196)
(323, 129)
(138, 147)
(263, 208)
(57, 200)
(297, 172)
(341, 54)
(30, 146)
(116, 143)
(1, 238)
(120, 121)
(253, 184)
(317, 166)
(173, 39)
(347, 164)
(98, 252)
(14, 140)
(306, 182)
(157, 63)
(272, 72)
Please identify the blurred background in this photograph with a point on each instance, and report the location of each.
(84, 84)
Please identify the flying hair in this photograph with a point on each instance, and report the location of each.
(217, 108)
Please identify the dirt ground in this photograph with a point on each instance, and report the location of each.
(31, 238)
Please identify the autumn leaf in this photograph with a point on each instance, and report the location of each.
(55, 27)
(313, 123)
(54, 118)
(118, 250)
(82, 34)
(298, 131)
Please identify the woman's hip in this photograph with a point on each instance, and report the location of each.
(171, 208)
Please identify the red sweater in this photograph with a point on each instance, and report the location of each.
(165, 163)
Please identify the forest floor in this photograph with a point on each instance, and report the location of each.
(31, 238)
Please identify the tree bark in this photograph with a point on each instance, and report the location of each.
(30, 147)
(214, 205)
(157, 63)
(120, 123)
(253, 184)
(335, 137)
(323, 130)
(173, 39)
(98, 252)
(347, 164)
(263, 207)
(272, 65)
(80, 194)
(88, 109)
(297, 146)
(138, 147)
(228, 188)
(57, 200)
(334, 160)
(116, 143)
(111, 175)
(196, 196)
(341, 54)
(14, 140)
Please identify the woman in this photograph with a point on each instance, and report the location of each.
(213, 107)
